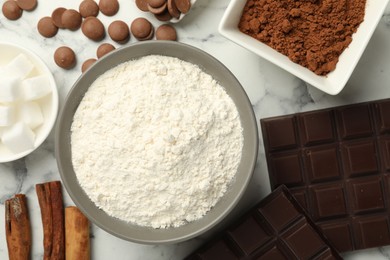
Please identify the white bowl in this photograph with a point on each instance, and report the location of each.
(335, 81)
(48, 104)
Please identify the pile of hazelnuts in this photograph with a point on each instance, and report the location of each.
(86, 19)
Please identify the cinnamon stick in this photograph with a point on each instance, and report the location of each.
(52, 213)
(77, 242)
(17, 228)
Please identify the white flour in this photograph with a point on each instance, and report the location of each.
(156, 142)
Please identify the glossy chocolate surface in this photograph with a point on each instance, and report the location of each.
(276, 228)
(336, 162)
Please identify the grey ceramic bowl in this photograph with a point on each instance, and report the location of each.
(121, 228)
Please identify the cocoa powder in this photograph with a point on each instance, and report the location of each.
(312, 33)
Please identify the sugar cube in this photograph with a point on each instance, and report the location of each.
(20, 66)
(36, 87)
(18, 138)
(31, 114)
(7, 115)
(9, 88)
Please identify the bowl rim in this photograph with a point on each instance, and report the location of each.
(54, 99)
(154, 47)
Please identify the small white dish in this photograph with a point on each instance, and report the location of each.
(48, 104)
(335, 81)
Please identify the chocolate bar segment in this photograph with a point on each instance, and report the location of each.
(338, 169)
(317, 127)
(276, 228)
(383, 122)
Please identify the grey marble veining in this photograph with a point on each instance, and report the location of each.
(271, 90)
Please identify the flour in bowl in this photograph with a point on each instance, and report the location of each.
(156, 142)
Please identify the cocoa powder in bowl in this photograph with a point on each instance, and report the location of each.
(312, 33)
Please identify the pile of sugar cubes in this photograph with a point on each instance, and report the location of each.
(20, 109)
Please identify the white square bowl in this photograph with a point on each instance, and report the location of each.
(332, 83)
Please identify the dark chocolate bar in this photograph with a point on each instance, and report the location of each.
(336, 162)
(276, 228)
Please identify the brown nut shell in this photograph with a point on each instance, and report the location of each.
(27, 5)
(56, 15)
(11, 10)
(88, 63)
(88, 8)
(103, 49)
(65, 57)
(93, 28)
(119, 31)
(46, 27)
(109, 7)
(166, 32)
(71, 19)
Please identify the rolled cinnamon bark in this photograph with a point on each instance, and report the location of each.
(52, 213)
(17, 228)
(77, 241)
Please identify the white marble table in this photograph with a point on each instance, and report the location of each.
(272, 92)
